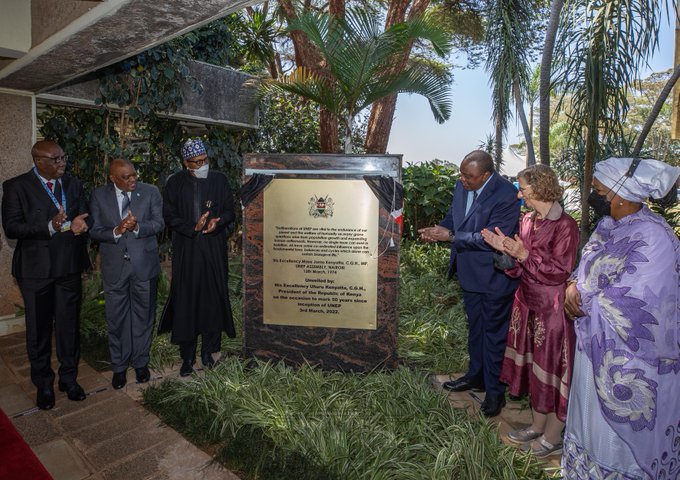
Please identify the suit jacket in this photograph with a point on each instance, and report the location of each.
(26, 211)
(471, 256)
(146, 204)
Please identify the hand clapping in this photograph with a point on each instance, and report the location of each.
(58, 220)
(512, 246)
(128, 224)
(79, 225)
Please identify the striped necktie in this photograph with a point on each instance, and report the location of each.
(125, 207)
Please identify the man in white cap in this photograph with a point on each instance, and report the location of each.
(198, 207)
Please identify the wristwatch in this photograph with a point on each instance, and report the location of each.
(450, 235)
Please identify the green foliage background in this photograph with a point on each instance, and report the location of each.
(428, 190)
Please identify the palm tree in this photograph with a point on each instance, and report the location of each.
(544, 82)
(604, 45)
(358, 58)
(508, 46)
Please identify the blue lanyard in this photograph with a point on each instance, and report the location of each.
(49, 192)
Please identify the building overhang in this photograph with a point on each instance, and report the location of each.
(108, 32)
(227, 97)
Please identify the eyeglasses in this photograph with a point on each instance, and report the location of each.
(56, 160)
(199, 162)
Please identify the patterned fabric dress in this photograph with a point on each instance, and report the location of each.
(540, 346)
(624, 410)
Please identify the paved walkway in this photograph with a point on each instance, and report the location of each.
(107, 436)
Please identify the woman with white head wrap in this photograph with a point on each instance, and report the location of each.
(624, 406)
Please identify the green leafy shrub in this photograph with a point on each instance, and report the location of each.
(428, 189)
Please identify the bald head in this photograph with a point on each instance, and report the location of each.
(43, 147)
(122, 173)
(49, 159)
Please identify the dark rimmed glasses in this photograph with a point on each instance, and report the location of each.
(55, 160)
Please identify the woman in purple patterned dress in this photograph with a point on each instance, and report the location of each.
(540, 346)
(624, 408)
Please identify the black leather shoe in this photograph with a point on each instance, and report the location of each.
(142, 374)
(45, 398)
(493, 404)
(119, 380)
(187, 368)
(73, 391)
(207, 360)
(462, 384)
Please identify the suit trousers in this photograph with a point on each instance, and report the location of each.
(488, 320)
(130, 314)
(210, 343)
(48, 302)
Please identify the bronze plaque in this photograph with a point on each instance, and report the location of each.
(320, 253)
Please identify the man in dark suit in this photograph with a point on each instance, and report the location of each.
(126, 216)
(45, 211)
(481, 199)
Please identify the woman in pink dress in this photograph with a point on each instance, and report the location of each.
(539, 352)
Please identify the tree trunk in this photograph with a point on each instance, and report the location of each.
(651, 118)
(328, 132)
(337, 8)
(498, 143)
(519, 106)
(586, 186)
(382, 111)
(544, 83)
(306, 55)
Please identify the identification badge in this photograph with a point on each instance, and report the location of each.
(66, 226)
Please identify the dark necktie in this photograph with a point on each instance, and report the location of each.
(474, 197)
(125, 206)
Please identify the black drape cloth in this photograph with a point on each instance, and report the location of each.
(253, 186)
(390, 193)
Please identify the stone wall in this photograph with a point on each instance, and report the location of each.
(16, 140)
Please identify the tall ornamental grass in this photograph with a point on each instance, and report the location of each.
(274, 422)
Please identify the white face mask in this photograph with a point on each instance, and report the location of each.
(202, 171)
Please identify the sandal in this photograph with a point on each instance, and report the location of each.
(543, 449)
(523, 436)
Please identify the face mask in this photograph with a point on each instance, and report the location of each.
(202, 171)
(599, 203)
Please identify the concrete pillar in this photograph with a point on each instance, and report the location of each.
(17, 136)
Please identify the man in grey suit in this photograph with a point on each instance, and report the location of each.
(126, 217)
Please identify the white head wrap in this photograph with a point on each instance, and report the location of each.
(652, 178)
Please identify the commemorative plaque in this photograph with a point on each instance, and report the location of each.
(320, 253)
(321, 259)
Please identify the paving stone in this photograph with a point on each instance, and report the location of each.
(37, 428)
(73, 416)
(131, 442)
(11, 340)
(114, 427)
(6, 375)
(182, 462)
(60, 459)
(14, 400)
(141, 466)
